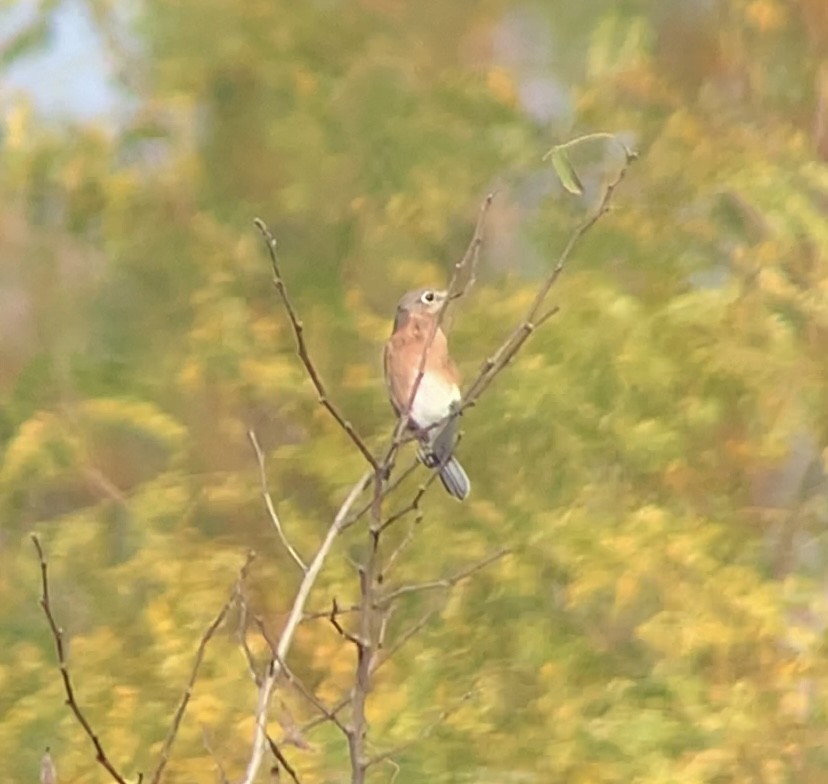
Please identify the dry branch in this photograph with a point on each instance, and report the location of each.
(57, 636)
(533, 318)
(445, 582)
(302, 348)
(188, 691)
(311, 697)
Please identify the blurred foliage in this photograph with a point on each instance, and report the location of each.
(656, 456)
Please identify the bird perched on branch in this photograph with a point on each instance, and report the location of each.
(432, 415)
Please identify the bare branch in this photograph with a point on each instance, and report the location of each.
(377, 663)
(386, 491)
(396, 768)
(294, 618)
(414, 504)
(445, 582)
(188, 691)
(302, 348)
(297, 682)
(271, 509)
(312, 698)
(336, 710)
(57, 636)
(412, 631)
(494, 364)
(387, 613)
(468, 263)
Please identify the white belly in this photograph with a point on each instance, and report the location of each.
(433, 400)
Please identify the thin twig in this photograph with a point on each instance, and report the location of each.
(312, 698)
(471, 257)
(396, 767)
(302, 348)
(402, 640)
(445, 582)
(414, 504)
(297, 682)
(343, 632)
(294, 618)
(188, 691)
(494, 364)
(57, 636)
(337, 709)
(271, 509)
(386, 491)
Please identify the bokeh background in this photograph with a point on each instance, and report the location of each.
(656, 457)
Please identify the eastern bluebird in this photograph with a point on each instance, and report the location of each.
(432, 415)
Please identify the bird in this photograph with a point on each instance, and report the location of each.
(434, 411)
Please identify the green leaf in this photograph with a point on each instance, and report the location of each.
(565, 170)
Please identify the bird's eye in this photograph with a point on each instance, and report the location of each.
(428, 296)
